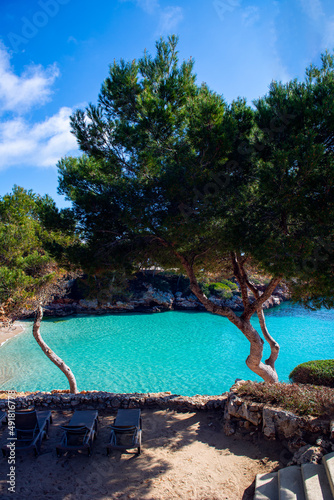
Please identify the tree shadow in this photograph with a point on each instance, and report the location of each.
(183, 453)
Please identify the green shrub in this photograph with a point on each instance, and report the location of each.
(300, 399)
(314, 372)
(230, 284)
(221, 290)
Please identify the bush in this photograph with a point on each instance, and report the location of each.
(230, 284)
(221, 290)
(300, 399)
(314, 372)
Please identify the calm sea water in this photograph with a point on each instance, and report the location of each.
(183, 352)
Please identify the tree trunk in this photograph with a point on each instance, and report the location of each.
(254, 361)
(50, 354)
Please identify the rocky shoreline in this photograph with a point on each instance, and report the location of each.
(151, 300)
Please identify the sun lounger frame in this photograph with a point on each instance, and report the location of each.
(31, 427)
(126, 422)
(3, 418)
(83, 423)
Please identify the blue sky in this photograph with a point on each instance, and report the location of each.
(54, 56)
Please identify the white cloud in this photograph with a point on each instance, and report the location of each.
(170, 18)
(22, 142)
(21, 93)
(41, 144)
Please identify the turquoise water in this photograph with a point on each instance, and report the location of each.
(183, 352)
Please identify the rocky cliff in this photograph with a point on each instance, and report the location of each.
(147, 294)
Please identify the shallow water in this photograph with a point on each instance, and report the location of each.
(183, 352)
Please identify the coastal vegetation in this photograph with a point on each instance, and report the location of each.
(173, 176)
(301, 399)
(320, 372)
(31, 256)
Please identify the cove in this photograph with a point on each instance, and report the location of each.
(186, 353)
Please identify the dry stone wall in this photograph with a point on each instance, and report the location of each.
(239, 415)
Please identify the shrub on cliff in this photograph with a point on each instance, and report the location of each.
(221, 289)
(319, 372)
(299, 399)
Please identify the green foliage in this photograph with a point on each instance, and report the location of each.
(233, 286)
(300, 399)
(293, 202)
(319, 372)
(169, 171)
(27, 267)
(105, 287)
(221, 290)
(151, 147)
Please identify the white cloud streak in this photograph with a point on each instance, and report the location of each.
(23, 143)
(31, 89)
(41, 144)
(322, 23)
(313, 9)
(169, 16)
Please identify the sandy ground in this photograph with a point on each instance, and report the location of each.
(12, 331)
(184, 455)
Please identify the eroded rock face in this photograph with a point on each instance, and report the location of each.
(268, 426)
(307, 454)
(165, 299)
(147, 298)
(240, 409)
(287, 424)
(89, 304)
(292, 430)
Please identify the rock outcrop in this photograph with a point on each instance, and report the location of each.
(144, 297)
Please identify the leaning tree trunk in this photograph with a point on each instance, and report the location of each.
(50, 354)
(254, 362)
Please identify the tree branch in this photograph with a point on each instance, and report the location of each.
(252, 308)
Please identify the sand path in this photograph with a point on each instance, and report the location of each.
(185, 455)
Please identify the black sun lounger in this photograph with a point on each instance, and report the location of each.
(3, 418)
(30, 429)
(126, 431)
(80, 433)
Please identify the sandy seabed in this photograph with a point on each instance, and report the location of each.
(184, 455)
(7, 333)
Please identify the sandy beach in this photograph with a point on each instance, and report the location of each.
(7, 333)
(185, 455)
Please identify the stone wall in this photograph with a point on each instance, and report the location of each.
(239, 416)
(107, 401)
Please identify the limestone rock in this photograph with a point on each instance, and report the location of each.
(308, 454)
(165, 299)
(287, 424)
(88, 304)
(241, 409)
(124, 305)
(282, 424)
(268, 426)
